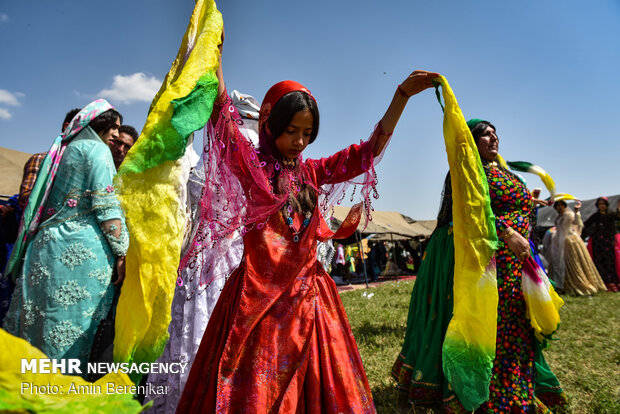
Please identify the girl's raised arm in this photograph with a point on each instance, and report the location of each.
(415, 83)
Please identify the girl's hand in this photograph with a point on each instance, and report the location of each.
(120, 270)
(537, 200)
(418, 81)
(415, 83)
(577, 205)
(517, 243)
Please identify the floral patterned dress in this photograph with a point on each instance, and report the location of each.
(65, 285)
(512, 385)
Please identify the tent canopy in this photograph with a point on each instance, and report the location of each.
(389, 222)
(11, 170)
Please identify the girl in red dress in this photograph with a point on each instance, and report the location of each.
(279, 339)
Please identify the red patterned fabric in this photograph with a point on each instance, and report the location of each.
(278, 339)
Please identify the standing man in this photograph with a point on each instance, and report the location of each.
(127, 136)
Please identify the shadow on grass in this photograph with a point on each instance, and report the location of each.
(369, 333)
(388, 400)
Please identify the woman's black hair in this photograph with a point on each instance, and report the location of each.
(69, 116)
(601, 199)
(479, 129)
(285, 109)
(104, 122)
(560, 202)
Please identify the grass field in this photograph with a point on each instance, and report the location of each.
(586, 358)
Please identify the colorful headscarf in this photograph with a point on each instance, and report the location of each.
(524, 166)
(274, 94)
(33, 212)
(475, 121)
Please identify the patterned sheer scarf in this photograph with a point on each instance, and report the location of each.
(239, 189)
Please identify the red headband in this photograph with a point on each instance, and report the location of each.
(274, 94)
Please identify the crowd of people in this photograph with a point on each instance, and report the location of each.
(584, 258)
(270, 333)
(380, 258)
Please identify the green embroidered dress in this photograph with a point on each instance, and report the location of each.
(65, 288)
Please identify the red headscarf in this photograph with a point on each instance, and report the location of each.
(266, 142)
(274, 94)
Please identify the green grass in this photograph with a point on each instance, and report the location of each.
(586, 358)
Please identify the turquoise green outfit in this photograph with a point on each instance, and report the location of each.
(64, 288)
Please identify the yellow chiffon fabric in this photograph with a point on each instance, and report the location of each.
(149, 185)
(65, 394)
(469, 345)
(541, 300)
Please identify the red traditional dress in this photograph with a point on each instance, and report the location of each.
(278, 340)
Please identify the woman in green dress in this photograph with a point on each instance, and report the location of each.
(521, 381)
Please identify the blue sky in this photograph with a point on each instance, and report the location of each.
(544, 72)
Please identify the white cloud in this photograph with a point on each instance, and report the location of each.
(83, 95)
(4, 114)
(8, 98)
(4, 18)
(132, 88)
